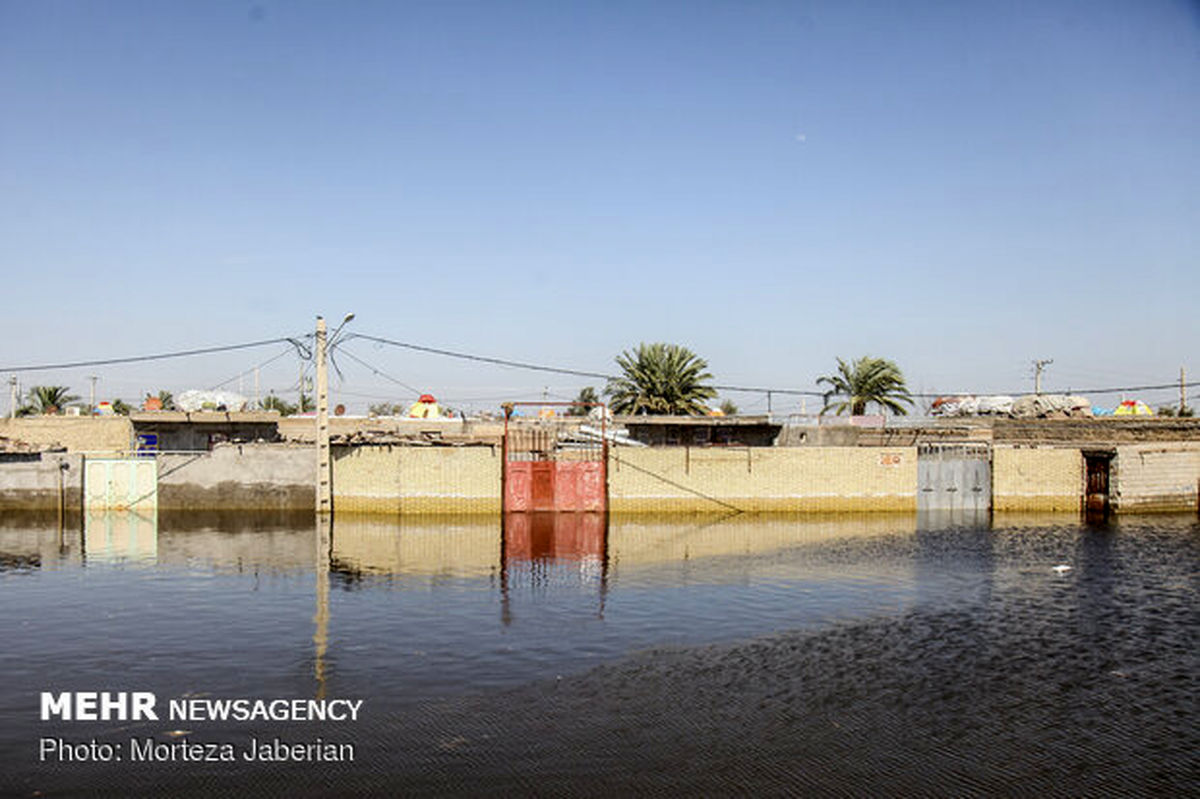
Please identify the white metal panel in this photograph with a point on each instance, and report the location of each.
(121, 483)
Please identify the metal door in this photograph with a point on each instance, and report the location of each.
(954, 477)
(554, 463)
(120, 483)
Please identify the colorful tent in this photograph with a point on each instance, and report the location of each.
(425, 407)
(1133, 408)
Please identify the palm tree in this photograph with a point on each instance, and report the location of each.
(864, 381)
(586, 394)
(49, 399)
(274, 403)
(660, 379)
(167, 399)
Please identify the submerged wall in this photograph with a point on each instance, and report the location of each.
(1033, 478)
(239, 476)
(763, 479)
(396, 479)
(35, 483)
(1156, 477)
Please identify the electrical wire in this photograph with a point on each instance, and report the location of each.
(156, 357)
(376, 370)
(478, 358)
(251, 369)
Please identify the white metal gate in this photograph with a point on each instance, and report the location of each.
(954, 477)
(120, 483)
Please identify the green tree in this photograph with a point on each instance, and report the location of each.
(307, 404)
(167, 399)
(586, 394)
(663, 379)
(862, 382)
(386, 409)
(120, 407)
(729, 407)
(49, 399)
(274, 403)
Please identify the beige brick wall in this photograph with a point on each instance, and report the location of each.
(1156, 477)
(416, 480)
(108, 434)
(1036, 479)
(763, 479)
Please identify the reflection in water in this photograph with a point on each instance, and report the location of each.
(540, 547)
(881, 654)
(322, 554)
(111, 536)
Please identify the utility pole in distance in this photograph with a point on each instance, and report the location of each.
(12, 397)
(92, 399)
(324, 495)
(1038, 366)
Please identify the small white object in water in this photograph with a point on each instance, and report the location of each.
(1062, 568)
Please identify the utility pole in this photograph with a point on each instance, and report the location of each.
(1038, 366)
(257, 401)
(768, 404)
(12, 397)
(92, 400)
(324, 495)
(1182, 390)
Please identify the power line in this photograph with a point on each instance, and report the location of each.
(747, 389)
(553, 369)
(378, 371)
(479, 358)
(157, 357)
(272, 359)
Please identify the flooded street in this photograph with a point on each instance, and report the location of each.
(549, 654)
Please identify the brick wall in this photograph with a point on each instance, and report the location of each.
(764, 479)
(1036, 479)
(77, 433)
(1156, 477)
(416, 479)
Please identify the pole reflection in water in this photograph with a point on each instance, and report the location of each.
(322, 552)
(541, 546)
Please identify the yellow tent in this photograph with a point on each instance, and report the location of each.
(1133, 408)
(425, 407)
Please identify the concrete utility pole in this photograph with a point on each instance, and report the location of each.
(12, 397)
(1182, 390)
(1038, 366)
(324, 495)
(92, 400)
(257, 396)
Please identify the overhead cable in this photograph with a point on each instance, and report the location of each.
(157, 357)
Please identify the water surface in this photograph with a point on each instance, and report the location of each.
(560, 655)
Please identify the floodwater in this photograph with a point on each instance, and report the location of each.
(872, 655)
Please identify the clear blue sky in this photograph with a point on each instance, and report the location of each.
(961, 187)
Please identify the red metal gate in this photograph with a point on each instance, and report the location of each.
(555, 463)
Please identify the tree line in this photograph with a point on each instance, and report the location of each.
(656, 379)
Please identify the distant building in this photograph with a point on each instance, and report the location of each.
(702, 431)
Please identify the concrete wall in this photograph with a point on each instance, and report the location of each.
(755, 479)
(77, 433)
(239, 476)
(1034, 479)
(394, 479)
(1156, 477)
(34, 485)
